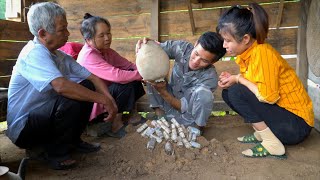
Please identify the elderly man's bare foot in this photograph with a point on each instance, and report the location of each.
(117, 123)
(134, 118)
(159, 112)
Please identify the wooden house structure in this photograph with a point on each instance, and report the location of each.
(293, 24)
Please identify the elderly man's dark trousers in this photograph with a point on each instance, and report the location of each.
(56, 125)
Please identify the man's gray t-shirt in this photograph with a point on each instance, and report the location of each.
(193, 88)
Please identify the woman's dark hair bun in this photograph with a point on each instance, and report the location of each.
(87, 16)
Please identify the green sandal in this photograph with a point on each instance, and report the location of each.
(260, 152)
(250, 138)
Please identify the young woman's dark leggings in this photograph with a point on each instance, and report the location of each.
(288, 127)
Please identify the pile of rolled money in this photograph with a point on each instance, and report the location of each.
(170, 132)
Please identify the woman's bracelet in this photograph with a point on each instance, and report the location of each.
(237, 78)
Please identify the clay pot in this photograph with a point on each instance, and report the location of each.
(152, 62)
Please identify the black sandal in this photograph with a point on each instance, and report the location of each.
(84, 147)
(141, 121)
(61, 163)
(119, 134)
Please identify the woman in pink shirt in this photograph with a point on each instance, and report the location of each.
(120, 75)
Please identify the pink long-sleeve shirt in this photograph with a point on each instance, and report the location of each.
(109, 66)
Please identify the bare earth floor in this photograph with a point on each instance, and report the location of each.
(219, 159)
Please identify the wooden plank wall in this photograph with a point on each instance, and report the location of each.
(130, 21)
(13, 36)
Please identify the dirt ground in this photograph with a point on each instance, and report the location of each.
(219, 159)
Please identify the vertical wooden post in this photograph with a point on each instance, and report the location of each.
(279, 17)
(302, 59)
(193, 28)
(23, 11)
(155, 20)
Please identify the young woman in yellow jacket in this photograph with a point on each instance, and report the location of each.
(267, 93)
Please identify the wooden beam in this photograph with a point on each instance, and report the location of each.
(302, 62)
(4, 81)
(6, 67)
(23, 15)
(11, 30)
(193, 28)
(155, 10)
(10, 50)
(279, 17)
